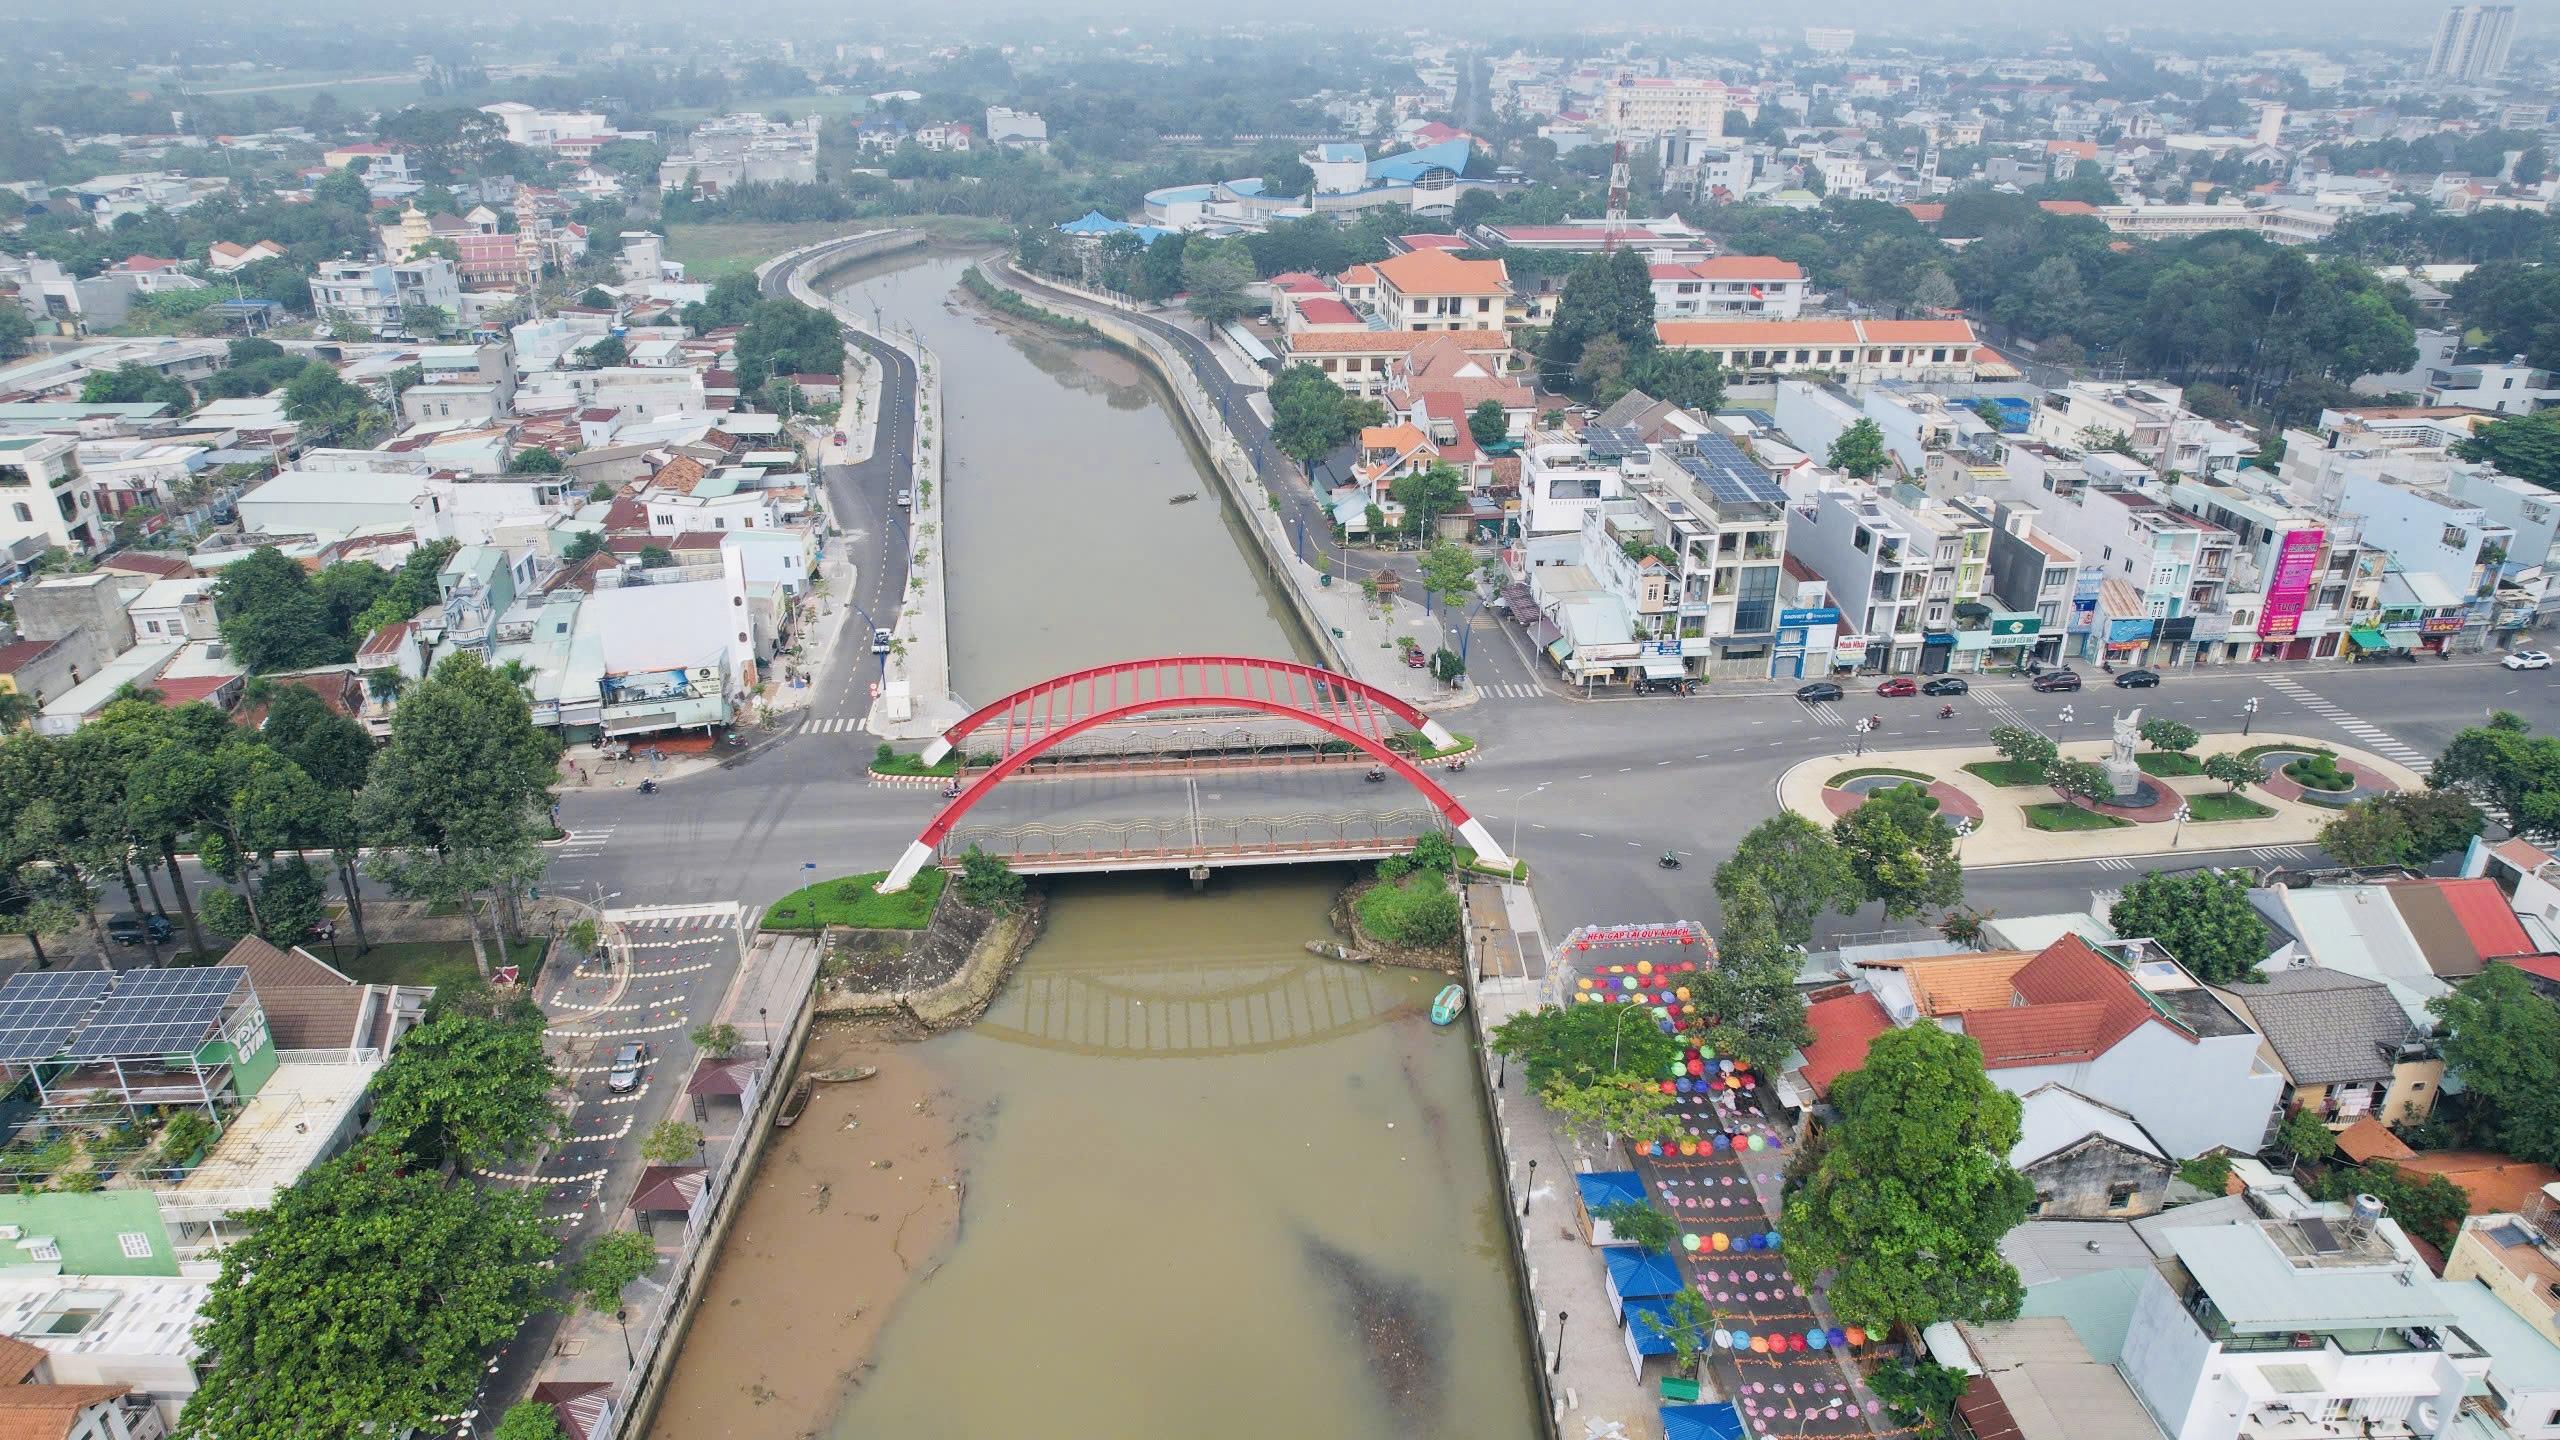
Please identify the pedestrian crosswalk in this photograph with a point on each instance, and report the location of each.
(708, 915)
(2371, 736)
(1511, 692)
(1826, 716)
(831, 725)
(2116, 862)
(1997, 707)
(2285, 852)
(584, 844)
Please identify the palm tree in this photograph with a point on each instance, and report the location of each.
(518, 674)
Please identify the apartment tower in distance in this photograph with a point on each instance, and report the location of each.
(2472, 42)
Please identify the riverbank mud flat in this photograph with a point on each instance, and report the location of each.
(851, 1208)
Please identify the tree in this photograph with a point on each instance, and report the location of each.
(1628, 1107)
(1307, 414)
(2023, 747)
(785, 337)
(2078, 780)
(1690, 379)
(2305, 1138)
(534, 460)
(2502, 1041)
(134, 383)
(365, 1297)
(2409, 828)
(528, 1420)
(1754, 1010)
(1909, 1203)
(1990, 413)
(1488, 423)
(1900, 852)
(609, 1267)
(656, 557)
(425, 322)
(2166, 734)
(1448, 571)
(2525, 446)
(1920, 1395)
(2202, 917)
(1859, 450)
(1216, 273)
(463, 1087)
(582, 545)
(271, 616)
(987, 883)
(15, 331)
(1633, 1221)
(2237, 773)
(1434, 490)
(2509, 769)
(607, 353)
(672, 1142)
(718, 1040)
(1584, 1042)
(1932, 290)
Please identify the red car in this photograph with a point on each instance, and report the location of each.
(1899, 685)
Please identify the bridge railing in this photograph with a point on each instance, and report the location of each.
(1307, 832)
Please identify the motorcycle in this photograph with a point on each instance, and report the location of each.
(1377, 775)
(951, 791)
(1457, 766)
(1670, 860)
(1946, 712)
(648, 787)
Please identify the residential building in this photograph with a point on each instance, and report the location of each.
(1877, 568)
(2087, 1161)
(1713, 525)
(1651, 105)
(2144, 565)
(1728, 285)
(532, 125)
(180, 609)
(1363, 362)
(373, 294)
(2346, 1047)
(1016, 129)
(2471, 43)
(1668, 239)
(1854, 351)
(2516, 1255)
(462, 383)
(2126, 1027)
(2300, 582)
(1432, 289)
(224, 257)
(2031, 574)
(39, 669)
(1560, 477)
(45, 497)
(2446, 556)
(2152, 417)
(732, 150)
(2509, 388)
(952, 136)
(85, 611)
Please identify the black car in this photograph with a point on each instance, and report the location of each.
(1945, 685)
(2138, 680)
(1818, 690)
(2056, 680)
(129, 930)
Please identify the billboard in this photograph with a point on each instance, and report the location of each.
(2289, 588)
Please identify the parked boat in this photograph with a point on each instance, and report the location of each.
(807, 1086)
(794, 1104)
(1449, 1004)
(1185, 498)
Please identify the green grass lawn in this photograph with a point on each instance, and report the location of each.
(2223, 806)
(1845, 776)
(2006, 772)
(901, 763)
(2168, 762)
(2071, 817)
(851, 901)
(727, 247)
(429, 962)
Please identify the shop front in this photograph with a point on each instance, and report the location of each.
(1804, 643)
(2129, 640)
(2000, 641)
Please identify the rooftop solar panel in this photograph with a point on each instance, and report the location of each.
(1729, 475)
(157, 1012)
(41, 1009)
(1613, 442)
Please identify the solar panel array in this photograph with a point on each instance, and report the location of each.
(1730, 476)
(1613, 442)
(40, 1009)
(158, 1012)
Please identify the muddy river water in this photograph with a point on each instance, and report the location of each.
(1183, 1179)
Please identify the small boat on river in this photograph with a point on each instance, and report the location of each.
(1185, 498)
(1449, 1004)
(797, 1102)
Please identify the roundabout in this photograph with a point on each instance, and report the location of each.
(2012, 817)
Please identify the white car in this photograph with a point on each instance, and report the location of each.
(2526, 660)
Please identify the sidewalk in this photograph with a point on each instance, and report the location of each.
(1591, 1386)
(2003, 837)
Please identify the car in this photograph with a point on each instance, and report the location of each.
(2526, 660)
(1819, 690)
(1899, 685)
(839, 437)
(1946, 685)
(2056, 680)
(628, 1061)
(879, 642)
(2138, 680)
(129, 930)
(906, 499)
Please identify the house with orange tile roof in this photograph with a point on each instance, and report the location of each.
(1435, 290)
(2131, 1031)
(1728, 285)
(1860, 352)
(1363, 362)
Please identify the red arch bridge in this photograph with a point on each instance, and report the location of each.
(1021, 727)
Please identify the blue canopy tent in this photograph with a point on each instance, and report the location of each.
(1649, 1326)
(1603, 1188)
(1701, 1422)
(1640, 1275)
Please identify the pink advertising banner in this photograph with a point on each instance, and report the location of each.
(2289, 589)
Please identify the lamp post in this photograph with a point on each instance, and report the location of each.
(1515, 815)
(1865, 724)
(2248, 713)
(1558, 1367)
(2182, 817)
(763, 1033)
(1528, 1189)
(620, 1317)
(1964, 827)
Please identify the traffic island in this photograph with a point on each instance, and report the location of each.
(2017, 819)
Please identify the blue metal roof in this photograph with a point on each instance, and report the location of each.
(1413, 164)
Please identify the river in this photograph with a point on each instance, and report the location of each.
(1206, 1183)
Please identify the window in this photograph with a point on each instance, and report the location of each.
(135, 1244)
(2106, 552)
(43, 1249)
(151, 625)
(2121, 1195)
(2042, 1200)
(25, 515)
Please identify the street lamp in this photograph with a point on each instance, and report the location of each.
(1528, 1189)
(630, 1357)
(1964, 827)
(1865, 724)
(2248, 713)
(2182, 817)
(2066, 714)
(1558, 1367)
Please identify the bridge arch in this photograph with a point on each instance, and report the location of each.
(921, 852)
(1189, 682)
